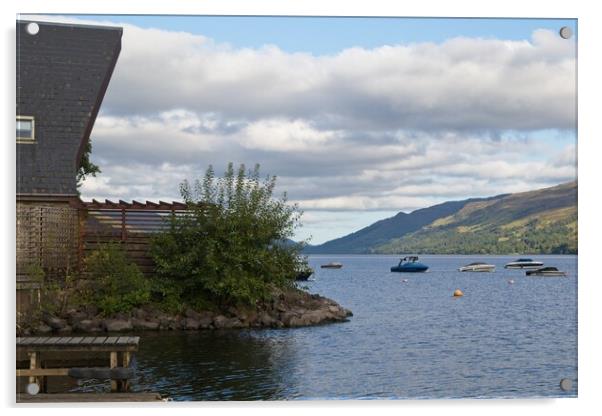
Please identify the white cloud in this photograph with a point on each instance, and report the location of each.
(392, 128)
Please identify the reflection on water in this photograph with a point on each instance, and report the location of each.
(222, 365)
(405, 340)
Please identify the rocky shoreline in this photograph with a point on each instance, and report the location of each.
(287, 309)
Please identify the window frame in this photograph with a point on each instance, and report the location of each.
(31, 139)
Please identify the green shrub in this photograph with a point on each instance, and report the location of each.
(115, 283)
(228, 247)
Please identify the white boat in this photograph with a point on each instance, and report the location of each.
(333, 265)
(524, 264)
(477, 267)
(546, 271)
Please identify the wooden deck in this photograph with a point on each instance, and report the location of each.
(119, 349)
(89, 397)
(100, 344)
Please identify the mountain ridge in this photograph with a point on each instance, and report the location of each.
(501, 224)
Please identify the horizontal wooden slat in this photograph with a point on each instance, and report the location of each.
(39, 372)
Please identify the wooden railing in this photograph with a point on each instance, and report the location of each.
(130, 224)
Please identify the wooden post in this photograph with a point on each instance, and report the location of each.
(113, 364)
(81, 236)
(123, 230)
(125, 385)
(33, 363)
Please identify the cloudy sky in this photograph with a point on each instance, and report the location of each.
(358, 118)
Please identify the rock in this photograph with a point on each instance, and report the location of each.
(87, 325)
(334, 309)
(55, 323)
(67, 329)
(249, 317)
(192, 314)
(206, 322)
(144, 325)
(74, 316)
(42, 328)
(265, 319)
(287, 318)
(316, 317)
(190, 323)
(117, 325)
(235, 323)
(220, 321)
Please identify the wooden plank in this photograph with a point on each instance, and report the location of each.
(65, 340)
(88, 397)
(75, 340)
(96, 340)
(30, 340)
(38, 372)
(122, 341)
(79, 348)
(111, 340)
(129, 340)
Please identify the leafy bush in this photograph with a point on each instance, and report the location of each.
(116, 284)
(229, 246)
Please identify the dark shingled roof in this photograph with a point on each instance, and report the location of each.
(62, 75)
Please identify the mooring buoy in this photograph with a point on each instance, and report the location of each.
(458, 293)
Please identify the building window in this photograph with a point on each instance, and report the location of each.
(25, 128)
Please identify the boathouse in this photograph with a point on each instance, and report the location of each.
(63, 72)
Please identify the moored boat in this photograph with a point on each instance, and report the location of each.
(410, 264)
(523, 264)
(333, 265)
(546, 271)
(477, 267)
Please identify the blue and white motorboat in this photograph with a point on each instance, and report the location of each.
(410, 264)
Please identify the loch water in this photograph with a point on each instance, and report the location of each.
(406, 340)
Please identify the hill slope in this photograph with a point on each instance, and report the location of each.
(542, 221)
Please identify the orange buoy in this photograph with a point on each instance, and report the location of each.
(458, 293)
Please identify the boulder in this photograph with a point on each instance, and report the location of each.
(67, 329)
(265, 319)
(117, 325)
(249, 317)
(334, 309)
(220, 321)
(190, 323)
(74, 316)
(192, 314)
(235, 323)
(144, 325)
(55, 323)
(87, 325)
(316, 317)
(287, 318)
(42, 328)
(206, 322)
